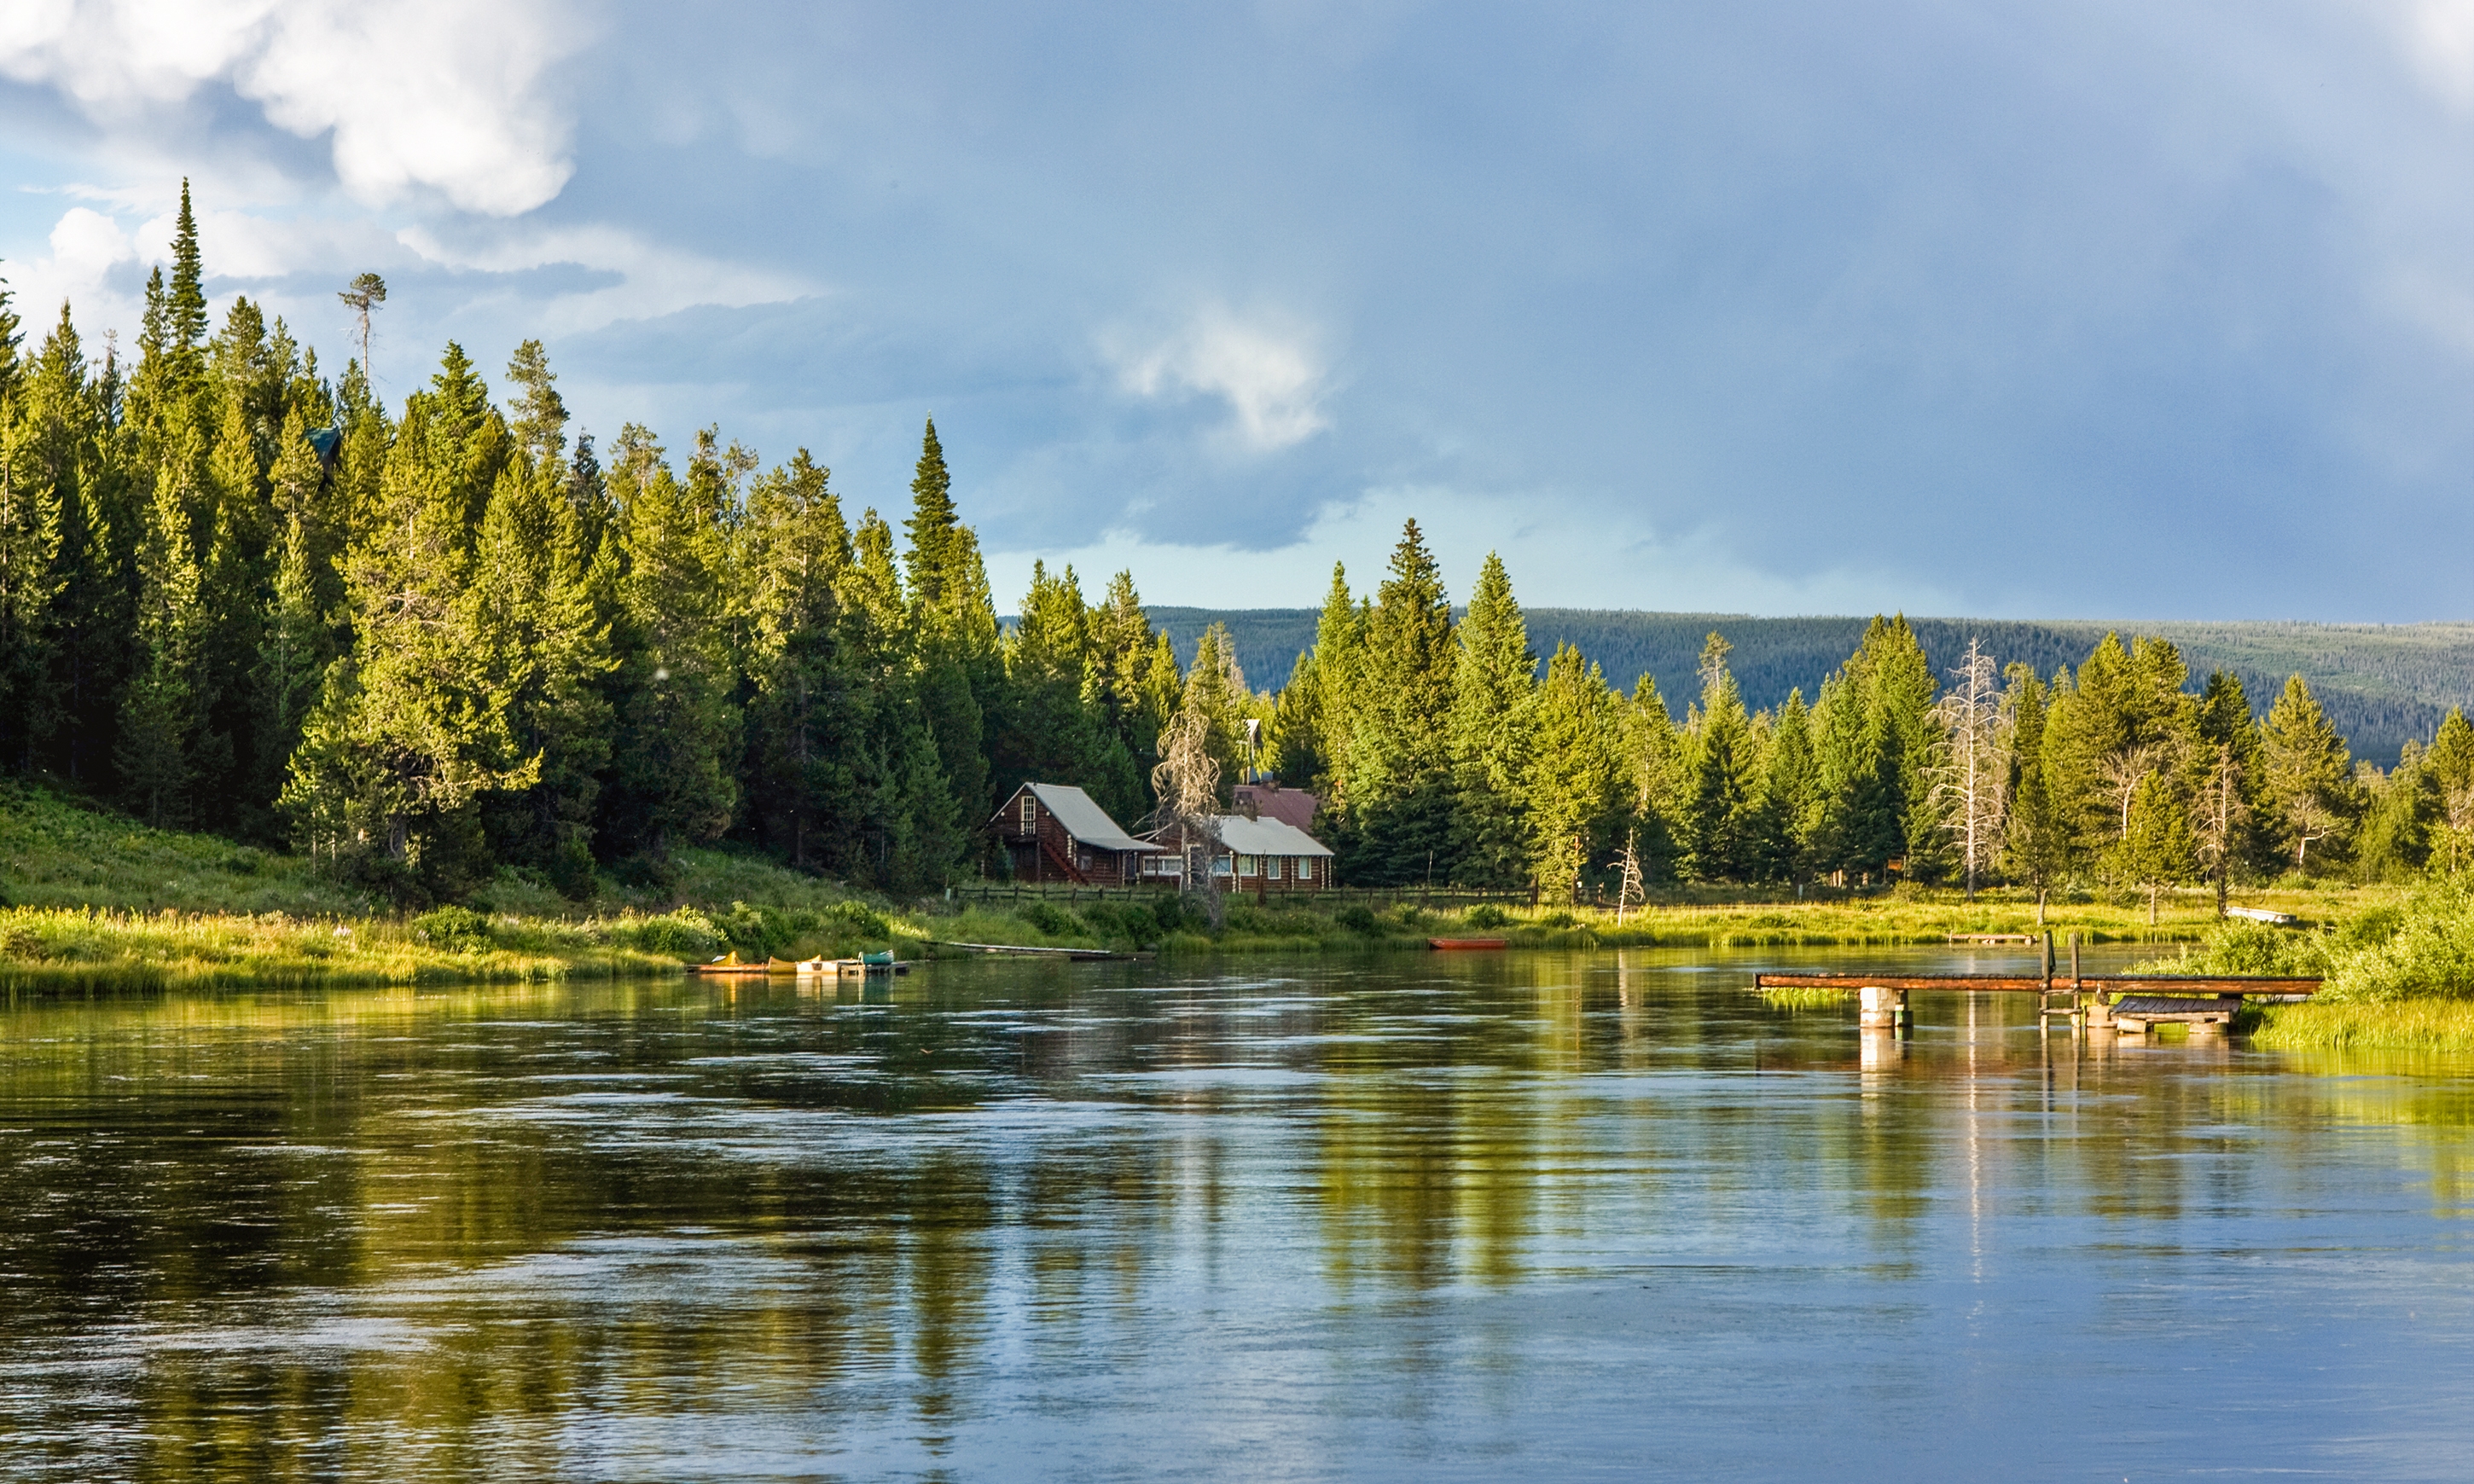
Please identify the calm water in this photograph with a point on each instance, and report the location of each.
(1466, 1216)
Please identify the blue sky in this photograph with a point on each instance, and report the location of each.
(2107, 310)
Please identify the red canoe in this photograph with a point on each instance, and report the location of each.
(1469, 943)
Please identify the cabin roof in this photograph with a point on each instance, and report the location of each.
(1081, 816)
(1293, 806)
(1267, 837)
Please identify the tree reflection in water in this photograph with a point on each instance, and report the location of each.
(1465, 1214)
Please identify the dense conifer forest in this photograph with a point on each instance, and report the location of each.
(2382, 684)
(426, 646)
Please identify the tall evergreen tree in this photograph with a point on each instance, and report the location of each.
(1397, 766)
(160, 715)
(1494, 680)
(960, 669)
(806, 719)
(408, 733)
(1576, 776)
(1719, 832)
(2038, 843)
(30, 543)
(2309, 778)
(676, 734)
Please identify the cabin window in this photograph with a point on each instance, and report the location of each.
(1270, 868)
(1223, 865)
(1245, 866)
(1305, 868)
(1082, 860)
(1030, 812)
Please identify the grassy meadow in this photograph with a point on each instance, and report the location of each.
(89, 897)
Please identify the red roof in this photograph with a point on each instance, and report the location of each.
(1292, 806)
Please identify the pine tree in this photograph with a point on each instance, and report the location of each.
(961, 670)
(90, 619)
(291, 659)
(671, 781)
(1791, 792)
(533, 607)
(805, 721)
(160, 713)
(184, 304)
(2038, 843)
(2450, 763)
(2309, 778)
(1495, 680)
(11, 341)
(1048, 731)
(30, 543)
(2157, 851)
(1339, 657)
(1118, 680)
(1576, 778)
(1655, 778)
(1719, 833)
(408, 733)
(916, 828)
(2226, 735)
(1398, 767)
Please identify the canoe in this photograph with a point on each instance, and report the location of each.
(1469, 943)
(730, 964)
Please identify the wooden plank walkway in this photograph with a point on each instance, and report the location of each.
(2212, 985)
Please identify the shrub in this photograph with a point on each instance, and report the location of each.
(686, 933)
(1359, 919)
(1050, 919)
(1486, 913)
(854, 920)
(453, 930)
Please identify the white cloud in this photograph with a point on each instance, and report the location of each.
(1267, 371)
(654, 280)
(445, 94)
(85, 244)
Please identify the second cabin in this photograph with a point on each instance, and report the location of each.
(1057, 832)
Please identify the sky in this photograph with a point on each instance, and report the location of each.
(1780, 306)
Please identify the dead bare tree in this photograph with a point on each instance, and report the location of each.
(2222, 812)
(2461, 822)
(1187, 781)
(1974, 777)
(367, 292)
(1633, 892)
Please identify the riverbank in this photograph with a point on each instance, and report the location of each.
(91, 896)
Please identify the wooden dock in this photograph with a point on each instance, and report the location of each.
(2129, 1003)
(1019, 951)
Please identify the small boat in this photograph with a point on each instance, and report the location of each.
(730, 964)
(1469, 943)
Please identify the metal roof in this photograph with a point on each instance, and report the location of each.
(1289, 806)
(1267, 836)
(1083, 819)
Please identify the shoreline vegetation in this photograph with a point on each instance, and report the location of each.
(94, 899)
(91, 899)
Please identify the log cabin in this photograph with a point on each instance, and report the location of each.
(1057, 832)
(1257, 855)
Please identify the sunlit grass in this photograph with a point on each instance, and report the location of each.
(2387, 1026)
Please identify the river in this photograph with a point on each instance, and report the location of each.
(1458, 1216)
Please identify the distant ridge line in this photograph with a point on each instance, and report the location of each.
(2381, 683)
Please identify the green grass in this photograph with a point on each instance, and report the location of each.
(87, 897)
(1805, 997)
(2423, 1024)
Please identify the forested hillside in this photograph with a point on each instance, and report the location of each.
(2382, 685)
